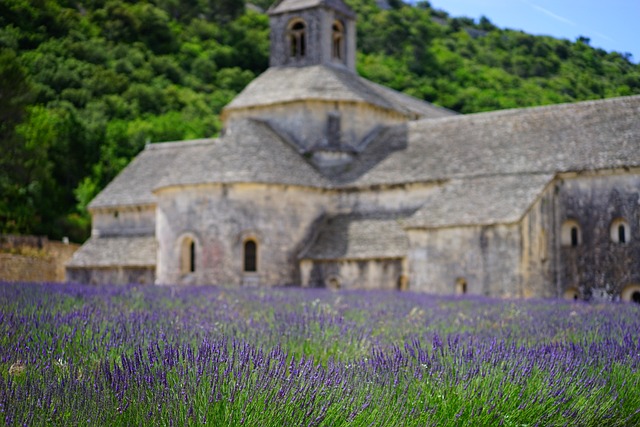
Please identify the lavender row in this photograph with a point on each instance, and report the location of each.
(79, 355)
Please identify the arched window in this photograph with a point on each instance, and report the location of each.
(620, 231)
(297, 39)
(572, 294)
(570, 234)
(337, 50)
(631, 293)
(188, 256)
(461, 286)
(622, 235)
(250, 256)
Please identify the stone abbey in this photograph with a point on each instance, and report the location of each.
(321, 178)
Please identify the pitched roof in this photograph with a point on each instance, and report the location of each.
(249, 152)
(479, 201)
(359, 237)
(136, 251)
(280, 85)
(582, 136)
(134, 184)
(284, 6)
(544, 140)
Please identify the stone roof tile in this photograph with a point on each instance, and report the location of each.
(284, 6)
(249, 152)
(137, 251)
(134, 184)
(480, 201)
(582, 136)
(359, 237)
(280, 85)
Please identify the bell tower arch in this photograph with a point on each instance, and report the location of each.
(317, 32)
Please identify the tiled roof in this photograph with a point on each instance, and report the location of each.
(582, 136)
(134, 184)
(479, 201)
(545, 140)
(138, 251)
(359, 237)
(249, 152)
(284, 6)
(280, 85)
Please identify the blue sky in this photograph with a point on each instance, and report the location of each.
(613, 25)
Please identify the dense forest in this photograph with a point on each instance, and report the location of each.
(85, 84)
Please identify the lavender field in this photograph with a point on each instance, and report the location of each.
(84, 355)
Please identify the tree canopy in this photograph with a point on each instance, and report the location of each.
(86, 84)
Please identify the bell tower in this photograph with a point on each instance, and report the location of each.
(312, 32)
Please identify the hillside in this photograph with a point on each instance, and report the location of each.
(86, 84)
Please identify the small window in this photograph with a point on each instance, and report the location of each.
(333, 129)
(188, 256)
(297, 39)
(631, 293)
(620, 231)
(574, 236)
(338, 41)
(461, 286)
(250, 256)
(570, 234)
(572, 294)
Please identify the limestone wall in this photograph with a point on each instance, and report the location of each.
(123, 221)
(353, 274)
(220, 218)
(318, 49)
(33, 259)
(486, 258)
(598, 265)
(306, 121)
(111, 275)
(540, 248)
(408, 197)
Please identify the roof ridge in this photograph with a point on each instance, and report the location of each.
(174, 144)
(536, 108)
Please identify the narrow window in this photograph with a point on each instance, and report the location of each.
(338, 41)
(622, 236)
(333, 129)
(574, 236)
(188, 255)
(192, 257)
(250, 256)
(620, 232)
(570, 233)
(297, 40)
(461, 286)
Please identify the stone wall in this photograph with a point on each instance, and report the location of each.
(123, 221)
(486, 258)
(597, 265)
(111, 275)
(539, 248)
(220, 219)
(306, 121)
(33, 259)
(318, 49)
(353, 274)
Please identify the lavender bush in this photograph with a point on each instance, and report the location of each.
(83, 355)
